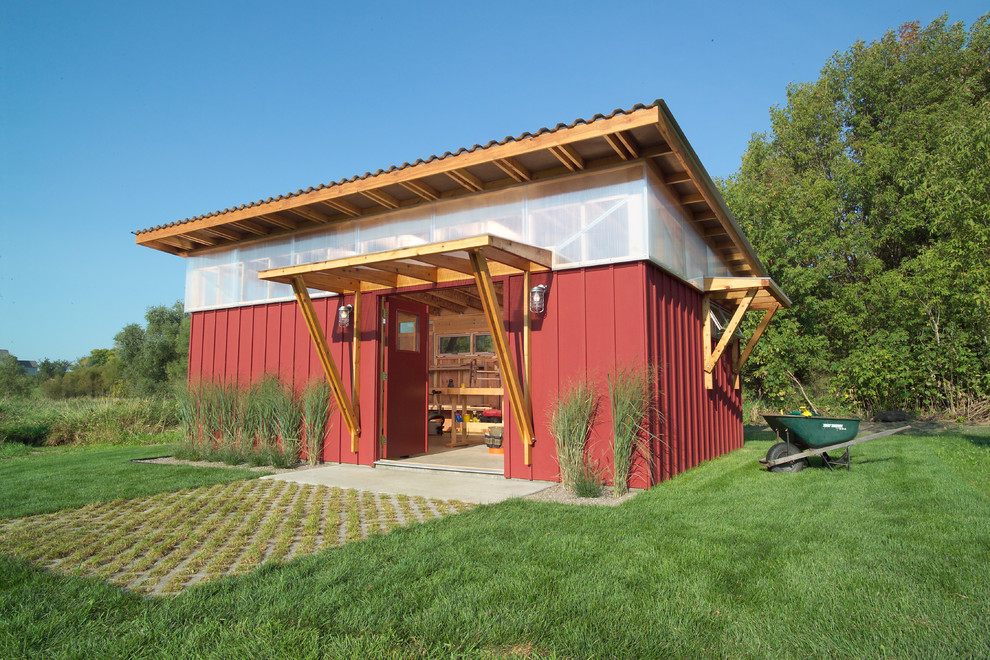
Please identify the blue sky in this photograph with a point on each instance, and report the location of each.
(121, 116)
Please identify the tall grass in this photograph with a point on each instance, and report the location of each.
(629, 393)
(225, 422)
(316, 402)
(288, 421)
(88, 421)
(570, 424)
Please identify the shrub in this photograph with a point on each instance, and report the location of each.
(629, 392)
(570, 424)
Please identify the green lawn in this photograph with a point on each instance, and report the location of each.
(888, 560)
(52, 478)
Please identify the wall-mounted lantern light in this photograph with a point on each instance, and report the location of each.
(538, 299)
(344, 315)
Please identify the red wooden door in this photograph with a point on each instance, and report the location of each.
(405, 375)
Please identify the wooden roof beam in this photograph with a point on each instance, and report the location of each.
(466, 179)
(366, 275)
(202, 240)
(311, 214)
(381, 197)
(621, 146)
(458, 297)
(429, 298)
(514, 169)
(679, 177)
(252, 227)
(343, 206)
(415, 271)
(457, 264)
(279, 221)
(570, 158)
(224, 232)
(179, 242)
(427, 192)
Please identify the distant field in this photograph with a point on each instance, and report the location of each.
(888, 560)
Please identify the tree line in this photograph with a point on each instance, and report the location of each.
(144, 361)
(869, 203)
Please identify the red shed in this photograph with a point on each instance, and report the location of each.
(482, 283)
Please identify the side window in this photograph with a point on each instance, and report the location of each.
(483, 343)
(407, 333)
(453, 344)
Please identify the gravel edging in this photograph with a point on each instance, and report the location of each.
(557, 494)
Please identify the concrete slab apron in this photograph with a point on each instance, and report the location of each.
(480, 489)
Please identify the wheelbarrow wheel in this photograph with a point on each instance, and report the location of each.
(782, 450)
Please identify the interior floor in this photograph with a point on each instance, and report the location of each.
(474, 456)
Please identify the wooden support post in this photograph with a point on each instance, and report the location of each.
(730, 329)
(735, 361)
(493, 314)
(527, 358)
(706, 336)
(323, 351)
(764, 322)
(356, 366)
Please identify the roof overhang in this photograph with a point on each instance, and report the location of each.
(729, 291)
(644, 133)
(432, 263)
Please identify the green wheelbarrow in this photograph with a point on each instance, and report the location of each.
(802, 436)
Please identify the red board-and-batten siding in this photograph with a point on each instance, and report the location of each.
(597, 320)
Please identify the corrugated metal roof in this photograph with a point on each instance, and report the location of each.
(420, 161)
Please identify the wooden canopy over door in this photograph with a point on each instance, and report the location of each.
(738, 295)
(479, 257)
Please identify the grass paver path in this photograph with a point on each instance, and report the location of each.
(165, 543)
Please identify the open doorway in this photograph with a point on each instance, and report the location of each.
(457, 375)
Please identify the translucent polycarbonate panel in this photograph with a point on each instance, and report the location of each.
(391, 231)
(600, 217)
(674, 242)
(590, 219)
(499, 213)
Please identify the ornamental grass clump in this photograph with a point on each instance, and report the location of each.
(316, 402)
(570, 425)
(629, 392)
(287, 415)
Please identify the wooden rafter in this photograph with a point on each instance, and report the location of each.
(427, 192)
(279, 221)
(629, 143)
(344, 403)
(434, 301)
(619, 147)
(343, 206)
(381, 197)
(522, 413)
(514, 169)
(224, 232)
(456, 264)
(568, 156)
(466, 179)
(415, 271)
(458, 297)
(252, 227)
(311, 214)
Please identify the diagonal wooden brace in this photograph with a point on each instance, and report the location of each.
(764, 322)
(344, 403)
(729, 330)
(493, 314)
